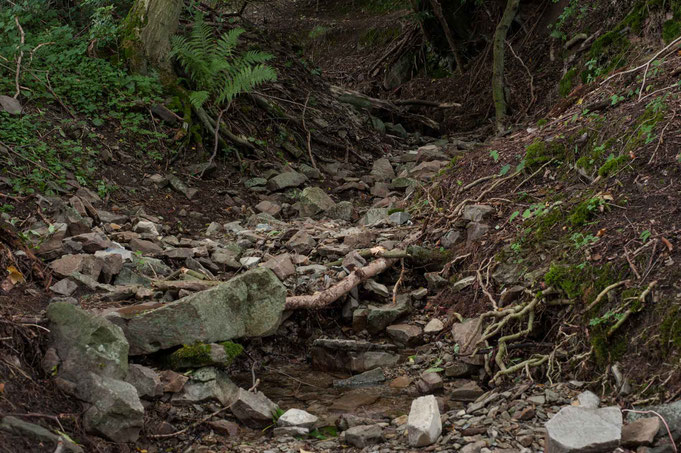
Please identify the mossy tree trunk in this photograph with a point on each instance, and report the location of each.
(498, 85)
(146, 34)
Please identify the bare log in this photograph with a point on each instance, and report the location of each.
(327, 297)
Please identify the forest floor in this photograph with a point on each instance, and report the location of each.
(559, 237)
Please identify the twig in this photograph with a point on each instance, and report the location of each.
(216, 140)
(533, 175)
(661, 140)
(19, 155)
(631, 310)
(309, 135)
(21, 56)
(399, 283)
(604, 293)
(645, 65)
(533, 98)
(192, 426)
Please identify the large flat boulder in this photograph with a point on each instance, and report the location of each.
(580, 429)
(249, 305)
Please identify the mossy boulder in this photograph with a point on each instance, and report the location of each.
(249, 305)
(540, 152)
(201, 354)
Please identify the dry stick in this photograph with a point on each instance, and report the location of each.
(661, 140)
(192, 426)
(216, 140)
(309, 136)
(645, 65)
(399, 282)
(604, 293)
(484, 288)
(631, 264)
(532, 175)
(645, 74)
(675, 85)
(533, 98)
(8, 148)
(630, 310)
(21, 56)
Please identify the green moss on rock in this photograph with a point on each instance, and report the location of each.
(540, 152)
(613, 165)
(566, 84)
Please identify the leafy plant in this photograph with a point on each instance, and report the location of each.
(435, 367)
(494, 154)
(581, 240)
(214, 67)
(645, 235)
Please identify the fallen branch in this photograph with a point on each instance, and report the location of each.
(327, 297)
(21, 56)
(604, 293)
(645, 65)
(309, 146)
(631, 310)
(189, 285)
(377, 252)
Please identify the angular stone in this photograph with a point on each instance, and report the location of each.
(200, 355)
(249, 305)
(207, 384)
(286, 180)
(578, 429)
(268, 207)
(460, 369)
(145, 227)
(377, 288)
(476, 212)
(588, 399)
(297, 418)
(85, 342)
(347, 421)
(434, 326)
(145, 380)
(450, 238)
(475, 231)
(249, 261)
(342, 210)
(424, 425)
(469, 391)
(366, 379)
(382, 170)
(401, 382)
(364, 435)
(314, 201)
(145, 247)
(372, 359)
(64, 287)
(92, 242)
(254, 410)
(430, 383)
(405, 334)
(172, 381)
(301, 243)
(381, 317)
(116, 412)
(399, 217)
(467, 334)
(640, 432)
(224, 427)
(281, 265)
(373, 216)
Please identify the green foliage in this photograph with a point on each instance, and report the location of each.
(585, 211)
(540, 152)
(612, 165)
(215, 69)
(583, 240)
(567, 82)
(565, 277)
(325, 432)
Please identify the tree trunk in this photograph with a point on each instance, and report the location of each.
(437, 9)
(146, 34)
(498, 86)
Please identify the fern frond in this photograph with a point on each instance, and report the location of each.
(256, 57)
(198, 98)
(227, 43)
(248, 78)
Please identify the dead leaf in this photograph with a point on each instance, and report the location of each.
(2, 387)
(601, 232)
(669, 245)
(15, 276)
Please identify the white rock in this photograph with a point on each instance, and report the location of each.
(376, 288)
(298, 418)
(250, 261)
(424, 425)
(579, 429)
(589, 400)
(145, 226)
(434, 325)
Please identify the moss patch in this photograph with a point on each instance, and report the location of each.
(613, 165)
(201, 354)
(567, 82)
(540, 152)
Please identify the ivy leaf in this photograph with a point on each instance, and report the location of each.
(495, 155)
(504, 169)
(527, 214)
(514, 215)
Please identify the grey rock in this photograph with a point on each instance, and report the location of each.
(268, 207)
(286, 180)
(207, 384)
(281, 265)
(450, 238)
(145, 380)
(435, 281)
(433, 326)
(405, 334)
(460, 369)
(10, 105)
(419, 294)
(468, 391)
(116, 412)
(366, 379)
(64, 287)
(578, 429)
(181, 187)
(377, 288)
(399, 217)
(641, 432)
(476, 212)
(374, 216)
(430, 383)
(254, 410)
(297, 418)
(249, 305)
(310, 172)
(145, 247)
(313, 201)
(381, 317)
(254, 182)
(145, 227)
(372, 359)
(670, 412)
(475, 231)
(290, 431)
(343, 210)
(588, 399)
(364, 435)
(424, 425)
(250, 261)
(382, 170)
(214, 229)
(85, 342)
(301, 243)
(21, 428)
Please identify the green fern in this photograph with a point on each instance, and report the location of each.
(215, 69)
